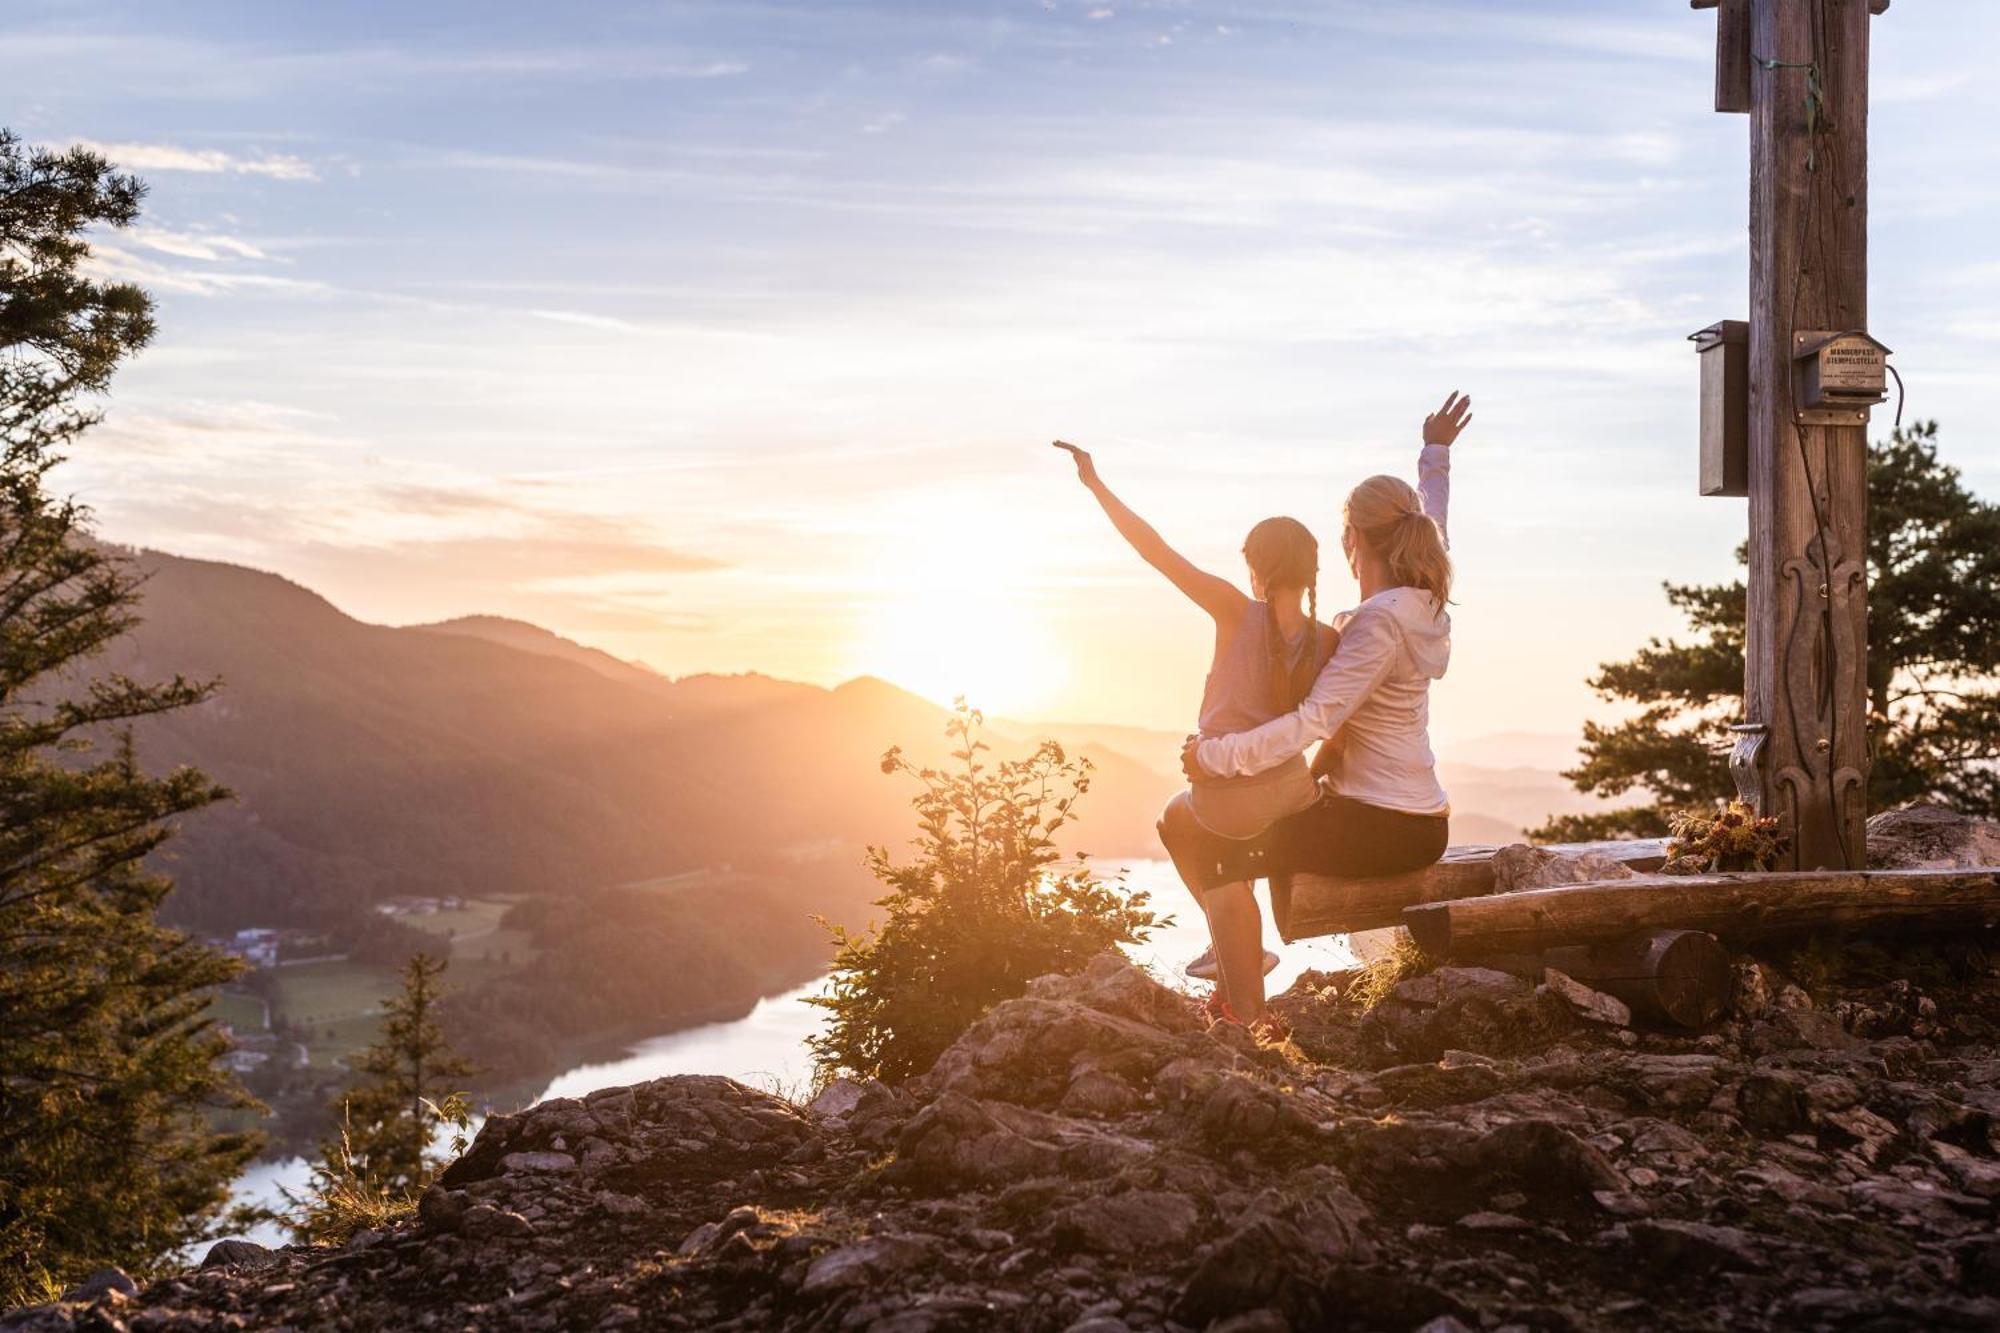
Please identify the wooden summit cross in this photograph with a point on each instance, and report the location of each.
(1797, 426)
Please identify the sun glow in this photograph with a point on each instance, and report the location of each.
(956, 610)
(990, 649)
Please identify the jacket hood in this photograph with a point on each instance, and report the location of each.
(1426, 631)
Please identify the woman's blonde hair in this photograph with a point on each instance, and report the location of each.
(1388, 515)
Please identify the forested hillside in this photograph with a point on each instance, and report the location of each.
(485, 756)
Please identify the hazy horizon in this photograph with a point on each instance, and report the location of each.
(731, 338)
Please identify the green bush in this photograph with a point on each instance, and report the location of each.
(980, 910)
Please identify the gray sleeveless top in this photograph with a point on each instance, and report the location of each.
(1243, 689)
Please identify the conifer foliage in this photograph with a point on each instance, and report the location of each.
(1933, 655)
(385, 1152)
(981, 910)
(108, 1059)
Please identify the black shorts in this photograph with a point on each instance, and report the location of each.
(1335, 835)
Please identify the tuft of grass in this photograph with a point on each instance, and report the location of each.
(1379, 978)
(341, 1202)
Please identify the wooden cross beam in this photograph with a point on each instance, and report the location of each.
(1800, 68)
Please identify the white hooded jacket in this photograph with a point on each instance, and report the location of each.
(1376, 686)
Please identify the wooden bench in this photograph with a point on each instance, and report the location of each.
(1307, 905)
(1735, 908)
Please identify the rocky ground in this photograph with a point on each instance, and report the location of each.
(1473, 1151)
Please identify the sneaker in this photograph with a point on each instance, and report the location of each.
(1204, 968)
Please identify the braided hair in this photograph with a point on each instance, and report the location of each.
(1284, 556)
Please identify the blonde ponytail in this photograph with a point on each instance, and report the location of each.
(1387, 514)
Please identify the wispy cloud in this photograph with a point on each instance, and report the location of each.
(194, 244)
(210, 161)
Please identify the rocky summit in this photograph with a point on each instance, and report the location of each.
(1459, 1150)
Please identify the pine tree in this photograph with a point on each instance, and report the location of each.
(1933, 651)
(107, 1054)
(390, 1119)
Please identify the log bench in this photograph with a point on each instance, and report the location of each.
(1735, 908)
(1305, 905)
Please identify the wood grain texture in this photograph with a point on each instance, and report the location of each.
(1804, 666)
(1677, 977)
(1310, 905)
(1737, 909)
(1732, 56)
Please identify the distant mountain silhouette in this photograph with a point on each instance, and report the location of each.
(489, 756)
(534, 639)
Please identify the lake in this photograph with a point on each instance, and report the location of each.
(766, 1047)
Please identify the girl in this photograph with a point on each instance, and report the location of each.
(1269, 647)
(1383, 811)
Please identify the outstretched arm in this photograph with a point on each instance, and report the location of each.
(1217, 596)
(1441, 428)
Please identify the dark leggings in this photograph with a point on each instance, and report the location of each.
(1333, 836)
(1338, 836)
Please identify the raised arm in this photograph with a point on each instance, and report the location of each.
(1368, 651)
(1441, 428)
(1217, 596)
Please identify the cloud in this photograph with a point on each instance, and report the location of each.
(209, 161)
(117, 264)
(584, 319)
(194, 245)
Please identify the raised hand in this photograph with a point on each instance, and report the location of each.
(1443, 425)
(1086, 470)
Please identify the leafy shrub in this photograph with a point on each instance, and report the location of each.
(1733, 838)
(977, 913)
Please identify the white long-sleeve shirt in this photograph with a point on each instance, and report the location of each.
(1376, 686)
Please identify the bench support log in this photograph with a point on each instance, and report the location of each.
(1736, 908)
(1677, 977)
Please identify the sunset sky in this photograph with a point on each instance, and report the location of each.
(732, 336)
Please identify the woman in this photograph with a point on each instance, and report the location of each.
(1269, 647)
(1382, 811)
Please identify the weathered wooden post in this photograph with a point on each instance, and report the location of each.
(1800, 68)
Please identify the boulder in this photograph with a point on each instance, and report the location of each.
(1932, 837)
(103, 1282)
(1133, 1222)
(864, 1263)
(1592, 1006)
(234, 1253)
(1520, 866)
(837, 1100)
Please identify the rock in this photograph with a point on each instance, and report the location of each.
(442, 1209)
(865, 1262)
(1253, 1321)
(482, 1221)
(1494, 1222)
(1870, 1133)
(1282, 1240)
(517, 1162)
(1590, 1005)
(1135, 1221)
(1756, 988)
(1931, 837)
(1463, 1008)
(837, 1100)
(1693, 1248)
(228, 1254)
(1773, 1104)
(1095, 1092)
(1523, 867)
(102, 1282)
